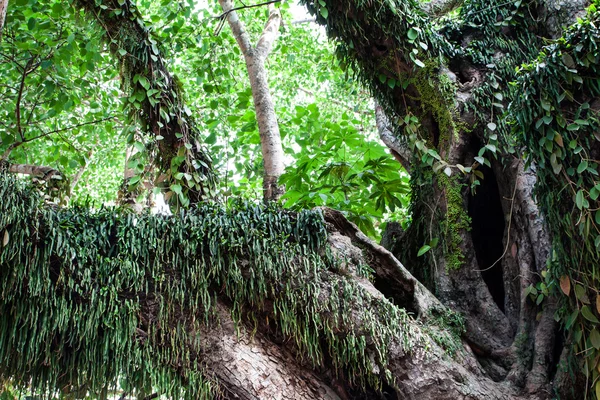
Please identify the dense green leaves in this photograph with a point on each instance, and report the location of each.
(60, 103)
(558, 125)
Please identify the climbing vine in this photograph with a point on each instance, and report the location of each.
(163, 131)
(557, 119)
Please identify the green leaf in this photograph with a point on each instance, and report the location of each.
(581, 294)
(589, 315)
(176, 188)
(419, 63)
(324, 13)
(595, 338)
(412, 34)
(579, 199)
(424, 249)
(568, 60)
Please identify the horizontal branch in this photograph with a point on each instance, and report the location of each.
(14, 145)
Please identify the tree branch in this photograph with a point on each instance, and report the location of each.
(233, 9)
(40, 172)
(269, 33)
(238, 28)
(3, 8)
(399, 150)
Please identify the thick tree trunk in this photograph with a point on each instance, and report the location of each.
(268, 127)
(494, 242)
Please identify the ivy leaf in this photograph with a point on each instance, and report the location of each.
(419, 63)
(579, 199)
(412, 34)
(176, 188)
(568, 60)
(324, 13)
(587, 314)
(581, 295)
(559, 140)
(595, 339)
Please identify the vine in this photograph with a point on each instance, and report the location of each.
(557, 119)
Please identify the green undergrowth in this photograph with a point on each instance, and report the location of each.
(97, 300)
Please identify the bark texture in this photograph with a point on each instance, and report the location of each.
(268, 127)
(3, 8)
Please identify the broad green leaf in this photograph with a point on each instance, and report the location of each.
(424, 249)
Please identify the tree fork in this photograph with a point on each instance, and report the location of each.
(268, 127)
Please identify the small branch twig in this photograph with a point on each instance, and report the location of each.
(224, 14)
(17, 144)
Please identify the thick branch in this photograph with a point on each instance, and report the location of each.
(36, 171)
(269, 33)
(252, 368)
(237, 26)
(163, 115)
(399, 150)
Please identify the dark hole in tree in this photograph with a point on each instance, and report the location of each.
(487, 228)
(458, 68)
(559, 347)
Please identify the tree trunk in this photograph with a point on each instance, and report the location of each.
(3, 8)
(268, 127)
(492, 241)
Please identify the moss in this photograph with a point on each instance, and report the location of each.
(437, 98)
(457, 219)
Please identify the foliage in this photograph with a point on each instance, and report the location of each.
(167, 36)
(557, 119)
(61, 107)
(90, 299)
